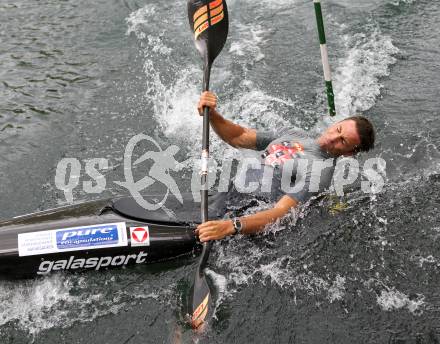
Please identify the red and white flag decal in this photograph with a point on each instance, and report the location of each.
(140, 236)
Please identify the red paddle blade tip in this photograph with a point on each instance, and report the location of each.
(200, 312)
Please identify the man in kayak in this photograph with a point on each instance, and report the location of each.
(294, 149)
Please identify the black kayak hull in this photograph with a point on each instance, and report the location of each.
(88, 236)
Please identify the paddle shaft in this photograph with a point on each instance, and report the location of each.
(324, 57)
(204, 169)
(208, 20)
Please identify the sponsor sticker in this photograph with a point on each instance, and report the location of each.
(72, 239)
(97, 263)
(140, 236)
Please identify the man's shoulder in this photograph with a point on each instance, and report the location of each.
(295, 131)
(264, 137)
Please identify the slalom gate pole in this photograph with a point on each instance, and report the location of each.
(324, 57)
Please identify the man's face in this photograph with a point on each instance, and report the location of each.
(340, 138)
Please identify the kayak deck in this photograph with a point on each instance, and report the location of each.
(96, 235)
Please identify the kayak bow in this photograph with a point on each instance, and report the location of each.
(94, 236)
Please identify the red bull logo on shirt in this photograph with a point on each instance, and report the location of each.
(279, 153)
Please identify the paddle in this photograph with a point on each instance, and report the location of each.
(208, 20)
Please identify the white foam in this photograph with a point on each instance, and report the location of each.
(421, 261)
(243, 268)
(174, 106)
(58, 301)
(254, 107)
(266, 4)
(28, 304)
(221, 285)
(337, 289)
(357, 77)
(399, 2)
(286, 277)
(250, 38)
(393, 299)
(137, 20)
(140, 22)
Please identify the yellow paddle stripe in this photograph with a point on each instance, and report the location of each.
(216, 11)
(203, 315)
(215, 3)
(200, 20)
(216, 19)
(201, 310)
(201, 28)
(199, 12)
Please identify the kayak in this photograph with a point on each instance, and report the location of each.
(97, 235)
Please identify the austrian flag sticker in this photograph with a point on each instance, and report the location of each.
(140, 236)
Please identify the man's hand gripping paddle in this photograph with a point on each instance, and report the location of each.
(208, 20)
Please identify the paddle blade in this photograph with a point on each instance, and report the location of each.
(199, 302)
(209, 23)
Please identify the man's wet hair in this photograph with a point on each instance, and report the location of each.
(366, 133)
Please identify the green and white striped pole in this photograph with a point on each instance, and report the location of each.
(324, 57)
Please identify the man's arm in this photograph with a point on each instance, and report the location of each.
(256, 222)
(233, 134)
(215, 230)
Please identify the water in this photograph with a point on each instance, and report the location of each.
(79, 79)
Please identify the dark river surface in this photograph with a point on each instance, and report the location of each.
(79, 78)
